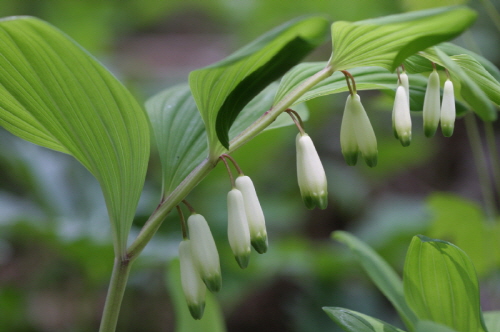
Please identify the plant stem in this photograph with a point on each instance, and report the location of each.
(493, 152)
(121, 269)
(481, 166)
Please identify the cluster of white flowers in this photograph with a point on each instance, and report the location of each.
(357, 135)
(199, 259)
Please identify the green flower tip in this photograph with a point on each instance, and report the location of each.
(429, 130)
(405, 139)
(312, 201)
(447, 130)
(213, 282)
(243, 260)
(371, 159)
(197, 310)
(350, 157)
(259, 243)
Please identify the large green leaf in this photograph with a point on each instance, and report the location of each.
(492, 320)
(55, 94)
(180, 133)
(352, 321)
(428, 326)
(440, 285)
(387, 41)
(212, 320)
(224, 88)
(381, 274)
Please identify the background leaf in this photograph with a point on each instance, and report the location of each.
(492, 320)
(384, 277)
(441, 286)
(389, 40)
(212, 320)
(54, 94)
(427, 326)
(180, 133)
(224, 88)
(352, 321)
(463, 222)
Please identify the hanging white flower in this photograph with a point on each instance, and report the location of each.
(401, 116)
(448, 111)
(193, 287)
(237, 228)
(254, 213)
(431, 111)
(356, 133)
(204, 251)
(310, 174)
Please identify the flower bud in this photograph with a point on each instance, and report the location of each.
(310, 174)
(348, 141)
(237, 228)
(359, 122)
(431, 105)
(401, 116)
(255, 216)
(448, 112)
(204, 252)
(192, 285)
(405, 82)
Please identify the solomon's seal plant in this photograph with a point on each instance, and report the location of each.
(53, 93)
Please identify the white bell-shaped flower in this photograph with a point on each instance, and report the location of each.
(255, 215)
(431, 111)
(193, 287)
(310, 174)
(204, 251)
(356, 133)
(237, 228)
(405, 83)
(401, 116)
(448, 111)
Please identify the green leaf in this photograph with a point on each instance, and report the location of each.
(469, 89)
(224, 88)
(381, 274)
(180, 133)
(428, 326)
(54, 94)
(463, 222)
(367, 78)
(440, 285)
(388, 41)
(492, 320)
(352, 321)
(212, 320)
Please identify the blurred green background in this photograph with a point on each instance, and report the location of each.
(55, 249)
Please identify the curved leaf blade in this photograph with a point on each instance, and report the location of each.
(224, 88)
(441, 286)
(353, 321)
(387, 41)
(54, 94)
(426, 326)
(180, 134)
(384, 277)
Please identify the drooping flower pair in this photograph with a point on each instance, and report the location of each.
(401, 119)
(356, 133)
(432, 111)
(246, 226)
(199, 264)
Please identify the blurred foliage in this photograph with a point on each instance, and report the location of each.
(55, 248)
